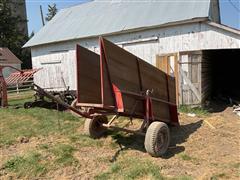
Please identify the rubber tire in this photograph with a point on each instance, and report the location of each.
(93, 127)
(28, 105)
(152, 139)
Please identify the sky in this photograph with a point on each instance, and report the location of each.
(229, 10)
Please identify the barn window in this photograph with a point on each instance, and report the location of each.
(51, 62)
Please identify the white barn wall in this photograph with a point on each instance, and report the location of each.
(188, 37)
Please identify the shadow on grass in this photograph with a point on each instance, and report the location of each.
(179, 135)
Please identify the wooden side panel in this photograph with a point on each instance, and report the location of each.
(123, 72)
(132, 74)
(172, 89)
(157, 81)
(154, 79)
(88, 76)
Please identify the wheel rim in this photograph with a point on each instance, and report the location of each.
(97, 124)
(162, 139)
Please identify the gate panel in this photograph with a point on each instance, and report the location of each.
(190, 78)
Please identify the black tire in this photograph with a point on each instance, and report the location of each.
(93, 127)
(28, 105)
(157, 139)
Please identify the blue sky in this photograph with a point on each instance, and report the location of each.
(230, 15)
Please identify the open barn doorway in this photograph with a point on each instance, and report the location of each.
(221, 76)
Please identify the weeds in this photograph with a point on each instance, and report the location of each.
(196, 110)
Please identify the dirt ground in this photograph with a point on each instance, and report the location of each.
(203, 147)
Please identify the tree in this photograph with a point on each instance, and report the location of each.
(10, 33)
(52, 11)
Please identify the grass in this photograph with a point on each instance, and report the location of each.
(64, 154)
(28, 165)
(21, 98)
(195, 110)
(132, 168)
(183, 178)
(219, 176)
(83, 140)
(37, 163)
(35, 122)
(185, 157)
(56, 139)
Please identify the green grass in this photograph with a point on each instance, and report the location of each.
(19, 99)
(219, 176)
(183, 178)
(195, 110)
(64, 155)
(35, 122)
(185, 157)
(28, 165)
(83, 140)
(33, 164)
(132, 168)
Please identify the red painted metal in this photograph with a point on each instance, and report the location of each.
(148, 110)
(21, 76)
(119, 99)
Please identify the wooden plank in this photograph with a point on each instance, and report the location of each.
(123, 68)
(88, 76)
(189, 83)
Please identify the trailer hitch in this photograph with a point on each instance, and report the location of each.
(59, 101)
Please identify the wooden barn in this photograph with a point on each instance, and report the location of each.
(7, 58)
(183, 38)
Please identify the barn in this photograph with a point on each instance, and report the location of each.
(7, 58)
(183, 38)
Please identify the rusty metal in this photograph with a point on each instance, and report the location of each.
(59, 101)
(3, 86)
(20, 77)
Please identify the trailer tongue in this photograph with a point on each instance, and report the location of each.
(120, 84)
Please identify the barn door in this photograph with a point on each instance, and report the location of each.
(190, 78)
(169, 64)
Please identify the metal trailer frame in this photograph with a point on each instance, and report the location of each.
(113, 101)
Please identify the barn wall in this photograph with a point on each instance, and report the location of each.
(145, 44)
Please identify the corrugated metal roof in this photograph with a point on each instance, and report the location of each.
(7, 57)
(103, 17)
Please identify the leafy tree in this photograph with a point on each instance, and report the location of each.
(52, 11)
(10, 34)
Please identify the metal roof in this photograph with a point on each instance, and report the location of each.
(106, 17)
(7, 57)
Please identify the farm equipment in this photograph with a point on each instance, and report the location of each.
(117, 83)
(18, 77)
(40, 100)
